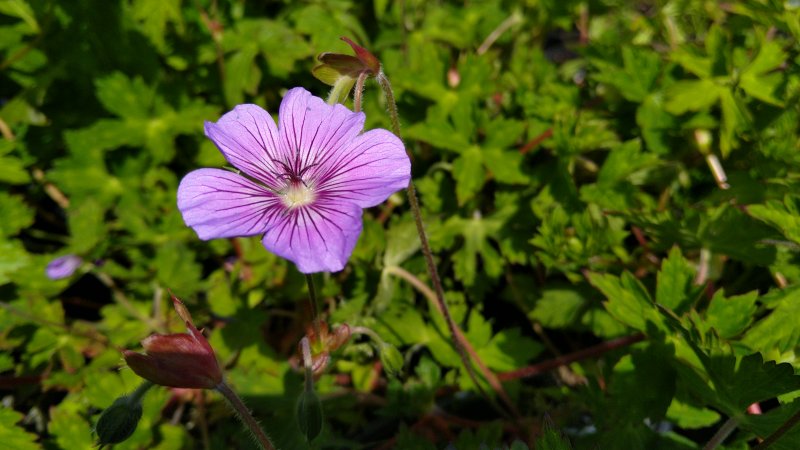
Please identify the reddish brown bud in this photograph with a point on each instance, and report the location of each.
(177, 360)
(336, 66)
(368, 59)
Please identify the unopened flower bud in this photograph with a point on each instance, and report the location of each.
(118, 422)
(177, 360)
(703, 139)
(309, 414)
(336, 67)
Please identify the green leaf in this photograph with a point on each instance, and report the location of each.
(784, 216)
(628, 301)
(125, 97)
(559, 306)
(402, 241)
(691, 417)
(12, 436)
(778, 331)
(635, 79)
(505, 166)
(692, 95)
(508, 350)
(177, 268)
(469, 174)
(16, 215)
(675, 288)
(12, 169)
(154, 15)
(244, 74)
(13, 257)
(734, 118)
(655, 123)
(731, 316)
(738, 383)
(21, 10)
(550, 439)
(87, 226)
(439, 134)
(623, 160)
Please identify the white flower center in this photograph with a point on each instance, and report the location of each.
(297, 195)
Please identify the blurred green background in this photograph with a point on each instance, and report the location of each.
(588, 170)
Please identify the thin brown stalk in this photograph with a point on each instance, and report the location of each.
(458, 342)
(570, 358)
(783, 429)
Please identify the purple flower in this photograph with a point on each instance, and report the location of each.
(63, 267)
(303, 183)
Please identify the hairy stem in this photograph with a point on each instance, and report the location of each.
(431, 265)
(245, 416)
(359, 92)
(312, 296)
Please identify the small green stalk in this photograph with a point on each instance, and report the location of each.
(312, 295)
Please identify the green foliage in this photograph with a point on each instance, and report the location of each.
(589, 172)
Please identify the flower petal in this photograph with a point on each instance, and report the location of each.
(63, 267)
(373, 167)
(217, 203)
(248, 138)
(318, 237)
(312, 130)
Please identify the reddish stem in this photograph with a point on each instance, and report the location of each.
(570, 358)
(548, 133)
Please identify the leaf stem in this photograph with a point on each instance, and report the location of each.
(245, 416)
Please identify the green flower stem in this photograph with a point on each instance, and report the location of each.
(245, 416)
(312, 296)
(137, 395)
(432, 272)
(340, 89)
(724, 431)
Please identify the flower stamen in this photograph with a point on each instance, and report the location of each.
(297, 194)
